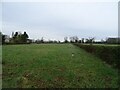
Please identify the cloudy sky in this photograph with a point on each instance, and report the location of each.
(55, 20)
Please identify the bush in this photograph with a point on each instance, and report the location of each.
(109, 54)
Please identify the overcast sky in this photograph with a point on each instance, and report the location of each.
(55, 20)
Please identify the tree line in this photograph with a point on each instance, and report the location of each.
(75, 39)
(17, 38)
(23, 38)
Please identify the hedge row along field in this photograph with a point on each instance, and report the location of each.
(108, 53)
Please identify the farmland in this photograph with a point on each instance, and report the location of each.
(52, 65)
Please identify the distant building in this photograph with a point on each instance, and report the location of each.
(7, 39)
(113, 40)
(29, 41)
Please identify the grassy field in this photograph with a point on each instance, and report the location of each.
(52, 65)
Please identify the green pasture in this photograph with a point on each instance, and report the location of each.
(52, 65)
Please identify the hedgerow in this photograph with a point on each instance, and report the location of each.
(109, 54)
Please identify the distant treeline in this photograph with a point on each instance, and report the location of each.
(23, 38)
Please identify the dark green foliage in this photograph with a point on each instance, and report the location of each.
(20, 38)
(3, 39)
(109, 54)
(16, 34)
(24, 37)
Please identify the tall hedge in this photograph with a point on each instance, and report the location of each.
(109, 54)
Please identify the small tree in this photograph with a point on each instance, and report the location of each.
(74, 39)
(71, 39)
(65, 39)
(24, 37)
(82, 41)
(90, 40)
(15, 35)
(79, 41)
(42, 40)
(3, 39)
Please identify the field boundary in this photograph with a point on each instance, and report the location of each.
(109, 54)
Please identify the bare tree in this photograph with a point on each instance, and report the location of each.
(74, 39)
(90, 40)
(66, 39)
(71, 39)
(42, 40)
(82, 41)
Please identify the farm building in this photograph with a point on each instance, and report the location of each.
(113, 40)
(7, 39)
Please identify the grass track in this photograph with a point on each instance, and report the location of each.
(51, 65)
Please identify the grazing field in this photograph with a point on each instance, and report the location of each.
(52, 65)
